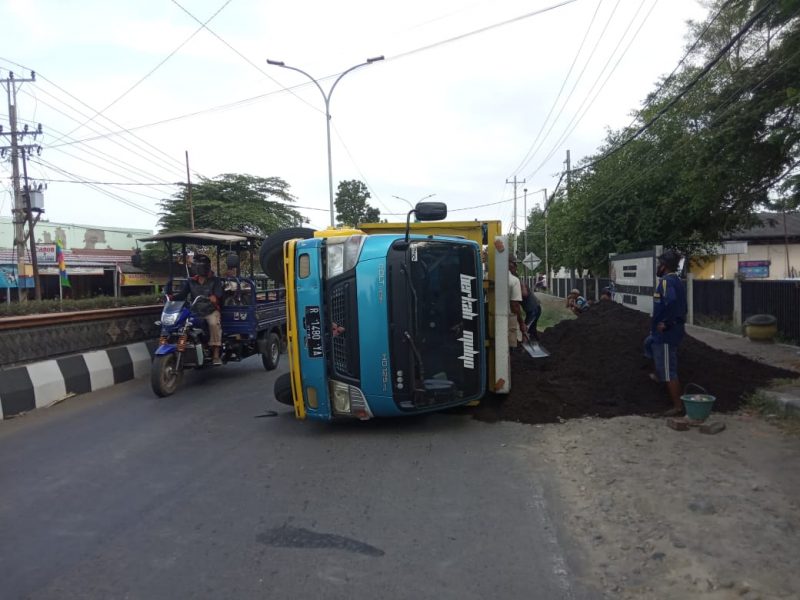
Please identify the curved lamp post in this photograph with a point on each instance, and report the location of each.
(409, 203)
(327, 97)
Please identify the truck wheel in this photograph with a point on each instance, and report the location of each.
(164, 377)
(271, 355)
(283, 389)
(271, 253)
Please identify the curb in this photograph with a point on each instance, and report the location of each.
(43, 384)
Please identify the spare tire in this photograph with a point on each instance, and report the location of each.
(271, 254)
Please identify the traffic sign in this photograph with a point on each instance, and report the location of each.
(531, 261)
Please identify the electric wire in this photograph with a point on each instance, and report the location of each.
(688, 87)
(528, 155)
(103, 191)
(120, 127)
(731, 104)
(149, 157)
(153, 70)
(578, 116)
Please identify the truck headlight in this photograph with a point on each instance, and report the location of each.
(342, 253)
(348, 400)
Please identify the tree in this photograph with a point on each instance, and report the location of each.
(233, 202)
(351, 204)
(726, 145)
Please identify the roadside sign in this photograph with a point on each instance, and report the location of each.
(531, 261)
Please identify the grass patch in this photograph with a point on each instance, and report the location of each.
(718, 324)
(766, 406)
(553, 311)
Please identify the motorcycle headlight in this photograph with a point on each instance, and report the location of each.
(169, 319)
(342, 253)
(348, 400)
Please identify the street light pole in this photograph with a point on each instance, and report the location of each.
(327, 98)
(525, 208)
(546, 257)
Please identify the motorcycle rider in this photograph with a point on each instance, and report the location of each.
(206, 283)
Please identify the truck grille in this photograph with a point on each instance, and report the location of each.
(344, 325)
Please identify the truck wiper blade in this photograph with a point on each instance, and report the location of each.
(416, 354)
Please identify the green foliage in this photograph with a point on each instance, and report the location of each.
(726, 149)
(233, 202)
(33, 307)
(351, 204)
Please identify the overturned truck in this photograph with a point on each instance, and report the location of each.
(392, 319)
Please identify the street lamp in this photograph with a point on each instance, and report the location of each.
(409, 203)
(327, 97)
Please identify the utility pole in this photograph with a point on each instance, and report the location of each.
(11, 84)
(189, 190)
(37, 283)
(569, 175)
(515, 228)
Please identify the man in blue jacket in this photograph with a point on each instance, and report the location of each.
(667, 326)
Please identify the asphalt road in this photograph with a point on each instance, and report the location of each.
(118, 494)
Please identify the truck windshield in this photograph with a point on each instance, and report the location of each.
(436, 321)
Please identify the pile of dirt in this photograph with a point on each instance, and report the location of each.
(597, 368)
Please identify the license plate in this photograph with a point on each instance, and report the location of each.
(313, 332)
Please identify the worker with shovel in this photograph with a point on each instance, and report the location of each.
(667, 327)
(519, 318)
(516, 319)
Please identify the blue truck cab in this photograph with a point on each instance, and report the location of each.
(385, 323)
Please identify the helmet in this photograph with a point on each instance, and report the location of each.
(670, 259)
(202, 265)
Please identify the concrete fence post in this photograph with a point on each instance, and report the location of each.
(737, 300)
(690, 298)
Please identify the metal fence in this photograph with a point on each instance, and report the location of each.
(778, 298)
(589, 287)
(713, 298)
(716, 299)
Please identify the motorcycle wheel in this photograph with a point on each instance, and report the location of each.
(271, 355)
(283, 389)
(164, 377)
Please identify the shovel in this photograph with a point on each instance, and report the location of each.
(534, 349)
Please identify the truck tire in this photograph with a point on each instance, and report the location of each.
(283, 389)
(271, 355)
(271, 253)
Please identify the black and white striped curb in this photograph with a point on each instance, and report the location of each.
(42, 384)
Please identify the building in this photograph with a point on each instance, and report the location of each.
(769, 250)
(99, 261)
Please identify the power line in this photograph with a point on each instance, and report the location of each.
(290, 89)
(116, 197)
(578, 116)
(529, 153)
(702, 73)
(53, 145)
(242, 56)
(121, 128)
(731, 104)
(153, 70)
(151, 183)
(479, 31)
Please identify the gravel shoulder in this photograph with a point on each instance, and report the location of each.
(664, 514)
(667, 514)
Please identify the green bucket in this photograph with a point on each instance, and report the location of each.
(698, 406)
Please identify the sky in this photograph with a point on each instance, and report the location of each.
(470, 95)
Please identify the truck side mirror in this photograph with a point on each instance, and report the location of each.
(430, 211)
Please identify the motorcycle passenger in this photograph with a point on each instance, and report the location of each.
(205, 283)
